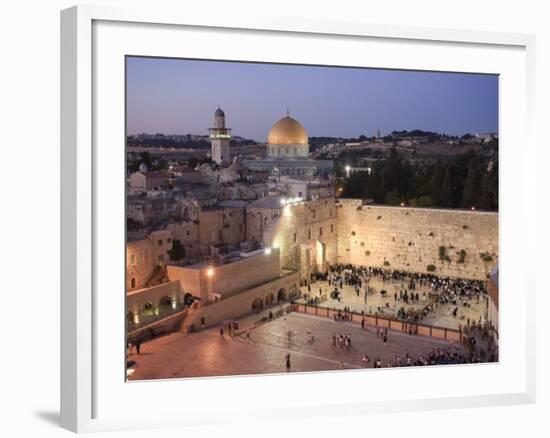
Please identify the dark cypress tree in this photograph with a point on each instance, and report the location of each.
(446, 194)
(471, 187)
(436, 181)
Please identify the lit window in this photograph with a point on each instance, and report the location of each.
(132, 260)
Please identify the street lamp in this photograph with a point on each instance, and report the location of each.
(210, 272)
(348, 168)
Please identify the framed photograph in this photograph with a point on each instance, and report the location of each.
(308, 218)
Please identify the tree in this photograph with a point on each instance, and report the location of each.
(471, 186)
(437, 180)
(177, 252)
(446, 194)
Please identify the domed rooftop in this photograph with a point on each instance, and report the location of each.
(287, 131)
(219, 113)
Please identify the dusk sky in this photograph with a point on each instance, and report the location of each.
(173, 96)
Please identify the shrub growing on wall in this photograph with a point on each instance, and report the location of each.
(430, 268)
(461, 256)
(486, 257)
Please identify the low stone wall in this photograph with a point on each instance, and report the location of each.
(242, 303)
(411, 239)
(136, 300)
(228, 278)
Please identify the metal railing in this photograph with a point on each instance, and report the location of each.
(382, 322)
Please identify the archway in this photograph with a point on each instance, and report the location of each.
(257, 305)
(148, 309)
(165, 304)
(269, 299)
(281, 295)
(321, 256)
(185, 214)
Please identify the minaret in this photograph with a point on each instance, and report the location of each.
(219, 138)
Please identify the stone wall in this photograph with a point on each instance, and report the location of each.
(143, 256)
(171, 291)
(305, 234)
(200, 228)
(411, 239)
(229, 278)
(246, 302)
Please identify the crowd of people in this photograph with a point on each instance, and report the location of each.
(408, 304)
(434, 357)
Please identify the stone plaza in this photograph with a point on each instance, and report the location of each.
(308, 339)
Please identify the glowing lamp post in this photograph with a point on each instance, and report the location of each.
(348, 168)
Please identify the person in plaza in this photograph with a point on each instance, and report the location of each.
(138, 345)
(287, 360)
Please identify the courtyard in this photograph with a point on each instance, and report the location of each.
(262, 348)
(387, 306)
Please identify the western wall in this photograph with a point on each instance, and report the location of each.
(457, 243)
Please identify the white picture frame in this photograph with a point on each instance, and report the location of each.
(83, 182)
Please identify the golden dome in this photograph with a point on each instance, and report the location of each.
(287, 131)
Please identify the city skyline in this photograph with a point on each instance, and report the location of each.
(176, 96)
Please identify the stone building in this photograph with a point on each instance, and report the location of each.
(305, 233)
(220, 137)
(145, 181)
(288, 153)
(145, 259)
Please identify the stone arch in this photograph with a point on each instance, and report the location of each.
(185, 214)
(130, 317)
(257, 304)
(269, 299)
(165, 302)
(281, 295)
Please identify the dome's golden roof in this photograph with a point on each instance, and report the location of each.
(287, 131)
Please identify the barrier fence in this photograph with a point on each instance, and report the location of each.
(383, 322)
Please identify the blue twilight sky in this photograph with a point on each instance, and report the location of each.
(176, 96)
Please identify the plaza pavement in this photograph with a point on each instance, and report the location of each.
(207, 353)
(442, 317)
